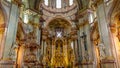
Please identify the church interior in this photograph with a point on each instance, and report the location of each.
(59, 33)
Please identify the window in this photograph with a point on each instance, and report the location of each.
(9, 0)
(25, 18)
(91, 18)
(70, 2)
(72, 45)
(58, 4)
(107, 2)
(46, 2)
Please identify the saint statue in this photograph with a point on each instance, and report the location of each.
(101, 51)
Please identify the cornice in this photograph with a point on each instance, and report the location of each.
(82, 13)
(56, 10)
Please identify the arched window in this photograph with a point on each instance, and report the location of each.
(70, 2)
(46, 2)
(58, 4)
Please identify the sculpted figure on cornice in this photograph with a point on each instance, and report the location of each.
(101, 47)
(95, 37)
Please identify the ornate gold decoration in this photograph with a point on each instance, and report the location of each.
(2, 23)
(2, 30)
(7, 59)
(59, 59)
(30, 58)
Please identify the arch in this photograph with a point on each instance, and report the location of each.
(112, 12)
(61, 23)
(114, 21)
(61, 17)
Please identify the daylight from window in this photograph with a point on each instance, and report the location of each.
(70, 2)
(46, 2)
(58, 3)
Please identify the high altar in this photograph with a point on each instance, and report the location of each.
(59, 33)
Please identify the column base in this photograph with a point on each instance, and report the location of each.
(107, 63)
(7, 63)
(34, 65)
(85, 64)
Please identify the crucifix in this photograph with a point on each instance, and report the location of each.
(84, 40)
(59, 34)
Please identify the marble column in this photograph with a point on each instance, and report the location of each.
(10, 39)
(103, 29)
(105, 37)
(50, 3)
(39, 48)
(42, 48)
(54, 3)
(11, 31)
(37, 30)
(89, 52)
(76, 49)
(82, 44)
(64, 3)
(88, 40)
(79, 47)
